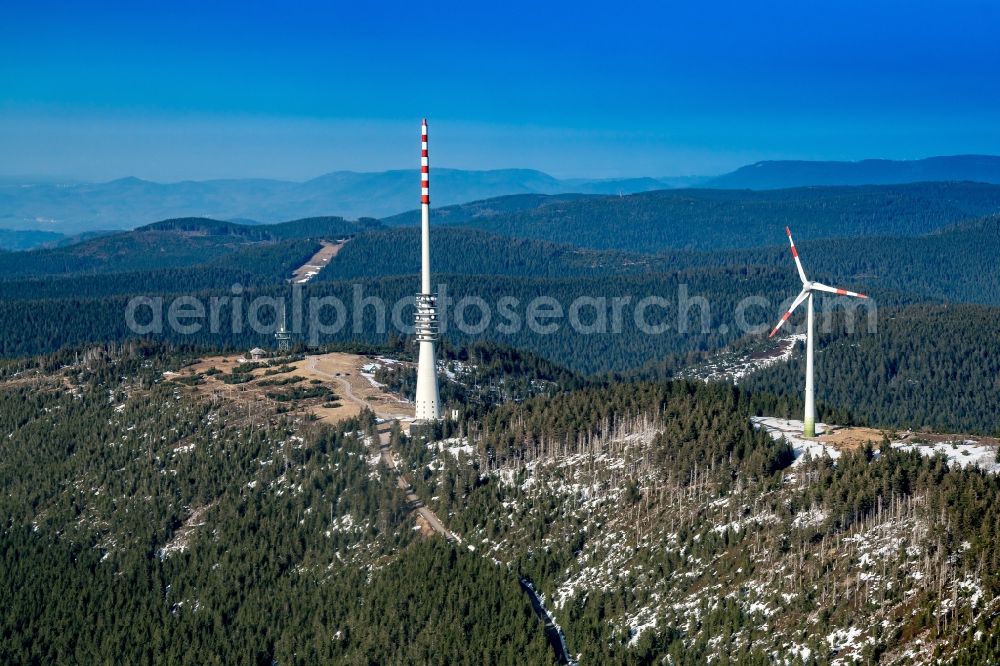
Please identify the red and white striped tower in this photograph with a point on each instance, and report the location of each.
(426, 324)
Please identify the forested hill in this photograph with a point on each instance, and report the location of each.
(718, 219)
(954, 264)
(663, 528)
(923, 366)
(655, 519)
(140, 523)
(251, 265)
(791, 173)
(11, 239)
(458, 214)
(168, 244)
(476, 252)
(309, 227)
(72, 320)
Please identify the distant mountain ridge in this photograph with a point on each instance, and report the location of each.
(24, 239)
(72, 207)
(131, 202)
(790, 173)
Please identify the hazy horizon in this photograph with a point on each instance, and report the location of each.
(30, 178)
(55, 178)
(226, 90)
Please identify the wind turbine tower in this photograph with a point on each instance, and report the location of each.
(428, 399)
(809, 419)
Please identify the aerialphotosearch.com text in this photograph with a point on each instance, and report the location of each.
(315, 318)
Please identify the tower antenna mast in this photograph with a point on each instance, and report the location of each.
(428, 398)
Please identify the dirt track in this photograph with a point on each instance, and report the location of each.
(354, 388)
(428, 517)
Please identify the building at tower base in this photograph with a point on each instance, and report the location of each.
(428, 398)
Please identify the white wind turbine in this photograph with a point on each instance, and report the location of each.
(809, 421)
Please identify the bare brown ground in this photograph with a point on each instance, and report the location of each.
(355, 390)
(850, 438)
(317, 262)
(34, 378)
(340, 372)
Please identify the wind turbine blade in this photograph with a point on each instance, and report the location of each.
(795, 255)
(796, 303)
(835, 290)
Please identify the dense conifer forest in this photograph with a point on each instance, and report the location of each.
(660, 507)
(144, 519)
(909, 372)
(724, 219)
(143, 525)
(953, 263)
(230, 538)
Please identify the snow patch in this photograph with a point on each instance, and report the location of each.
(791, 430)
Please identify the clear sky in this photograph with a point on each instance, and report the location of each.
(212, 89)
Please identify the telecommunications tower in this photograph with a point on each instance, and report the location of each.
(428, 399)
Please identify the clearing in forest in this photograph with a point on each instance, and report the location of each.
(333, 386)
(317, 262)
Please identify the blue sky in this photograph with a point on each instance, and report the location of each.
(177, 90)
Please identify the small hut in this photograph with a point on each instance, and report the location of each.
(257, 353)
